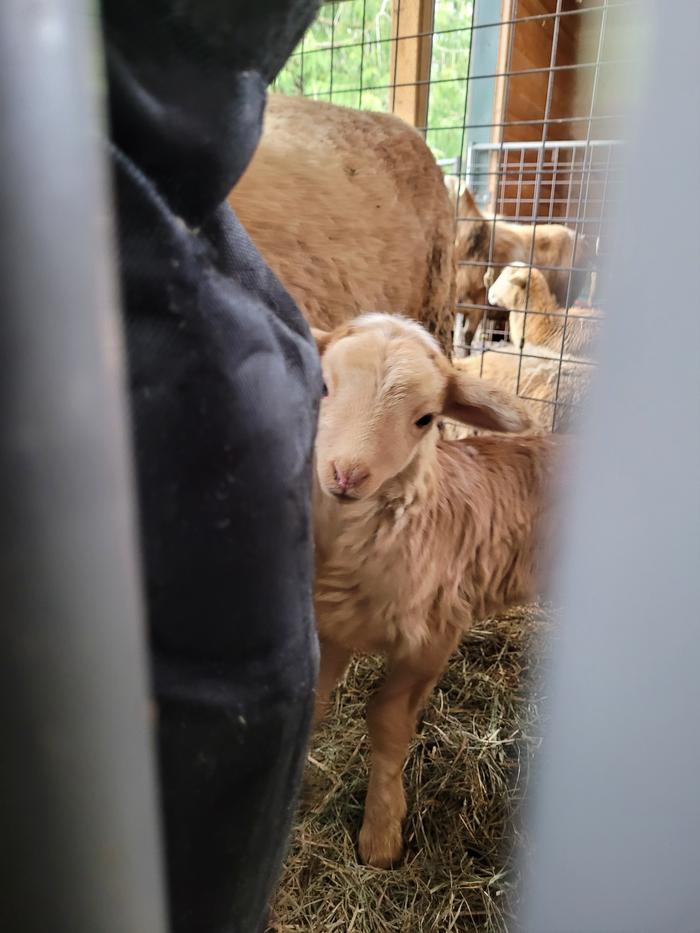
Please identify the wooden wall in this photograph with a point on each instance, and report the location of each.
(532, 48)
(409, 66)
(521, 104)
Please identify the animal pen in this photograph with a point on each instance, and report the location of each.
(517, 101)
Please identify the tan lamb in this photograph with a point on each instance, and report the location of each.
(416, 538)
(350, 211)
(540, 379)
(556, 251)
(546, 324)
(551, 381)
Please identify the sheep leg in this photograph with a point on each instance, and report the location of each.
(474, 317)
(334, 661)
(391, 722)
(458, 345)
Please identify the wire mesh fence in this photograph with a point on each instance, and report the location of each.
(513, 97)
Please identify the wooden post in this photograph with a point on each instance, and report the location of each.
(411, 51)
(498, 132)
(502, 66)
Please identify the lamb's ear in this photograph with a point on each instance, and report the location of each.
(467, 207)
(477, 402)
(321, 337)
(519, 275)
(489, 277)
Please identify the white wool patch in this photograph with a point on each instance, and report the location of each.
(387, 323)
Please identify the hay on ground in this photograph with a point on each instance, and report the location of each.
(465, 780)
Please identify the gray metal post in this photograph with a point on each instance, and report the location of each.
(78, 827)
(616, 820)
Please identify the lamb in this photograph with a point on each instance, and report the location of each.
(350, 211)
(556, 250)
(549, 376)
(571, 332)
(416, 538)
(550, 389)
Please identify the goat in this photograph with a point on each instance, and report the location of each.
(484, 241)
(350, 211)
(571, 332)
(415, 537)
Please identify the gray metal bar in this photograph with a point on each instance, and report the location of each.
(616, 820)
(548, 143)
(77, 802)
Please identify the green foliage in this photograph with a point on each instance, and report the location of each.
(447, 103)
(345, 57)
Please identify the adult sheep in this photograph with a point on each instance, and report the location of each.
(350, 210)
(415, 538)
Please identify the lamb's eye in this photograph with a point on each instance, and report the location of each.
(424, 421)
(324, 391)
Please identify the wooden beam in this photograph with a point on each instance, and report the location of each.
(498, 131)
(411, 51)
(503, 65)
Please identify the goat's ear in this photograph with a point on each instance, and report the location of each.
(489, 277)
(321, 337)
(477, 402)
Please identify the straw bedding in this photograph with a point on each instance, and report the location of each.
(465, 777)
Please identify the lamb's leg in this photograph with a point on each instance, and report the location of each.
(334, 661)
(460, 347)
(391, 721)
(474, 317)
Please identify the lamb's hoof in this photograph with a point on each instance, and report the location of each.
(381, 849)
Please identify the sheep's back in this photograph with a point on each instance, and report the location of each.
(539, 379)
(502, 484)
(351, 212)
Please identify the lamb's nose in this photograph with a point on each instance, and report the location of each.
(349, 479)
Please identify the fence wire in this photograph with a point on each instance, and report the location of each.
(507, 94)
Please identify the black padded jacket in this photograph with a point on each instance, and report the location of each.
(224, 384)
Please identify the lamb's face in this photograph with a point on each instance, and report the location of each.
(517, 282)
(509, 289)
(386, 382)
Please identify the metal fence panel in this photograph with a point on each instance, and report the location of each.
(77, 790)
(617, 812)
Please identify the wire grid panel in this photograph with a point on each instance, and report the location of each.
(508, 96)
